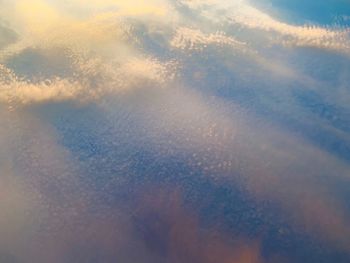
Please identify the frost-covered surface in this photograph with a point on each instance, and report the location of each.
(174, 131)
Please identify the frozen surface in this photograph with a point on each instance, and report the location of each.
(175, 131)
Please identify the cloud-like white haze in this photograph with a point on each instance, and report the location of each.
(108, 31)
(96, 95)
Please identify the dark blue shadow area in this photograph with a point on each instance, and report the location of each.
(120, 161)
(307, 109)
(323, 12)
(40, 64)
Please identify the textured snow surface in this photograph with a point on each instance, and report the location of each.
(175, 131)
